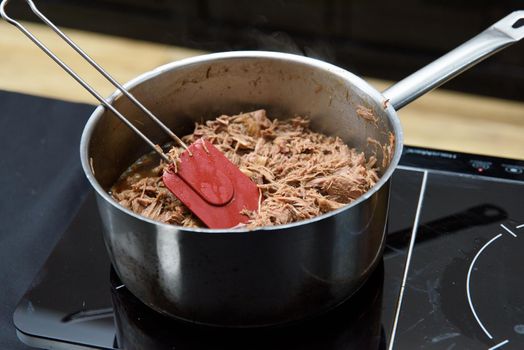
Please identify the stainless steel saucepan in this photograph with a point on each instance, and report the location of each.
(270, 275)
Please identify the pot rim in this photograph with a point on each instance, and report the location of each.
(330, 68)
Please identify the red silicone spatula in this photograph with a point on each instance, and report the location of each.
(210, 185)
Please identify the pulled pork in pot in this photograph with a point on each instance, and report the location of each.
(301, 174)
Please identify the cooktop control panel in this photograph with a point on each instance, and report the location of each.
(463, 163)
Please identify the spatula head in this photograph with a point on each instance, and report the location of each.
(212, 187)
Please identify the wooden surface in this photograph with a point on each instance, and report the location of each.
(440, 119)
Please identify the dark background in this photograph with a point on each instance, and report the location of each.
(376, 38)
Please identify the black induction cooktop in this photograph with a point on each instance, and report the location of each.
(452, 276)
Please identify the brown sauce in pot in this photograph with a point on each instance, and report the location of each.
(144, 167)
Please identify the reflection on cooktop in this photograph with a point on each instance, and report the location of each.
(356, 324)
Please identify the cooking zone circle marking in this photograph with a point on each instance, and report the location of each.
(508, 230)
(469, 278)
(499, 345)
(468, 292)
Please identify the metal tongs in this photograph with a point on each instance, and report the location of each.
(205, 180)
(82, 82)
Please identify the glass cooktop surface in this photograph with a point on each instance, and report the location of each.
(451, 276)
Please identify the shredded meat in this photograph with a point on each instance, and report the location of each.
(301, 174)
(366, 114)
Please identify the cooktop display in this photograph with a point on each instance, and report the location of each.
(451, 277)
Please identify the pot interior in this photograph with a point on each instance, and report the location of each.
(194, 90)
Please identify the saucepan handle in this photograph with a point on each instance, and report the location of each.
(505, 32)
